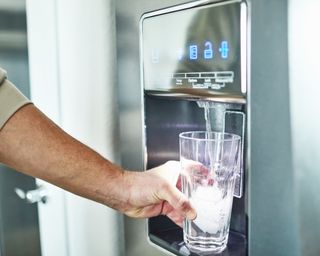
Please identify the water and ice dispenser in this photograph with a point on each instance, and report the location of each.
(194, 77)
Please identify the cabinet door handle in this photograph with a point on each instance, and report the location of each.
(33, 196)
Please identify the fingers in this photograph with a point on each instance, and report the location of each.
(197, 172)
(170, 172)
(178, 201)
(168, 192)
(190, 166)
(172, 214)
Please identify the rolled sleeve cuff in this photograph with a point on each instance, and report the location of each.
(11, 100)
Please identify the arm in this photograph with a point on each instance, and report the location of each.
(34, 145)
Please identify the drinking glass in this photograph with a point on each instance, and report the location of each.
(210, 162)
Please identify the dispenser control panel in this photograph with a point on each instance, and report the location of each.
(195, 48)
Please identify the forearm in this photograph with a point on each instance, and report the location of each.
(34, 145)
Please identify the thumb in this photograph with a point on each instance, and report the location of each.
(169, 171)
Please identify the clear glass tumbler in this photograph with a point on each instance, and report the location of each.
(210, 162)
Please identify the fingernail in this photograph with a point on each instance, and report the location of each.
(192, 214)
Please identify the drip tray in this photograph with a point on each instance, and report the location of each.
(172, 240)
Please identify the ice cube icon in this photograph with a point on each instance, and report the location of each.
(193, 52)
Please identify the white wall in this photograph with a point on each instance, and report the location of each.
(72, 65)
(45, 93)
(304, 54)
(87, 76)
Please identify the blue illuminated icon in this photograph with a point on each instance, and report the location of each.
(208, 52)
(155, 56)
(193, 52)
(224, 50)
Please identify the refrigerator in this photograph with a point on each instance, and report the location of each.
(284, 150)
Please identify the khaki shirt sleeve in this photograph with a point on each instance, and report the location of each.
(11, 99)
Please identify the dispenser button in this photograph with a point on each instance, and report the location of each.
(193, 75)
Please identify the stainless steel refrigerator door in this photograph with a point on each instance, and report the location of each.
(128, 14)
(273, 220)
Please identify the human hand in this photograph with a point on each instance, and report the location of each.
(154, 192)
(196, 171)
